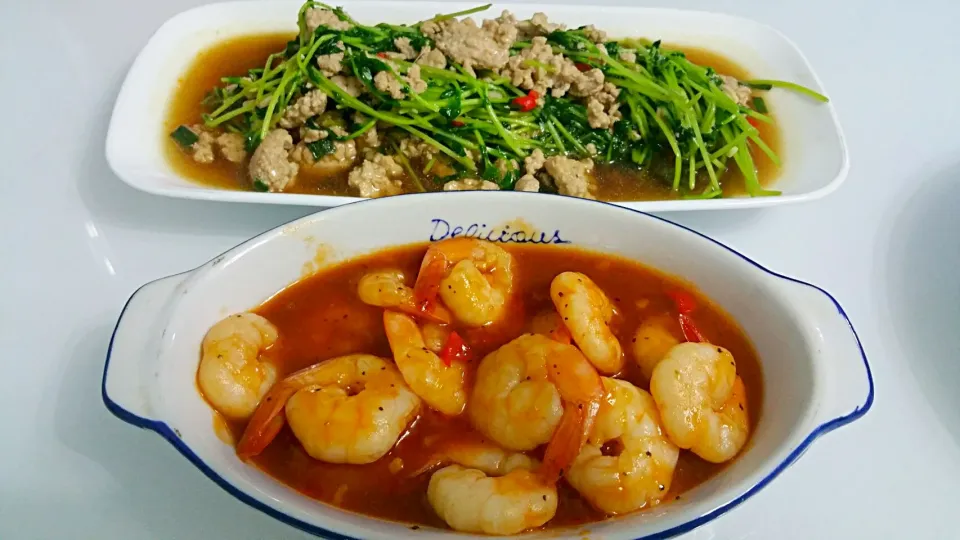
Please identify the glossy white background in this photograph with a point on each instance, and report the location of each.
(75, 242)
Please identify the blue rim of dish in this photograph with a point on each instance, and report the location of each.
(164, 430)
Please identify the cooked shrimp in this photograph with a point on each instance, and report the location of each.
(350, 409)
(640, 475)
(490, 491)
(388, 289)
(487, 457)
(442, 386)
(473, 278)
(232, 374)
(587, 312)
(702, 401)
(651, 343)
(549, 323)
(532, 391)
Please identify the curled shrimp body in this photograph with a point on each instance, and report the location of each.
(232, 375)
(388, 289)
(441, 386)
(651, 343)
(549, 323)
(491, 491)
(489, 458)
(350, 409)
(470, 501)
(532, 391)
(641, 474)
(473, 278)
(587, 312)
(701, 400)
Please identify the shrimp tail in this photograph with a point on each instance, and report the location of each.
(265, 424)
(432, 271)
(268, 419)
(568, 440)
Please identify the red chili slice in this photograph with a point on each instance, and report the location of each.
(684, 301)
(686, 304)
(455, 349)
(528, 102)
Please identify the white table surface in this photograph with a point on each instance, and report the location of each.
(75, 242)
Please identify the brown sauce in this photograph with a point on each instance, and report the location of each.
(321, 317)
(236, 55)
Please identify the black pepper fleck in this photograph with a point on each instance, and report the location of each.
(560, 294)
(648, 453)
(381, 408)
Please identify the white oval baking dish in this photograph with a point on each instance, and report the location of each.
(815, 374)
(815, 160)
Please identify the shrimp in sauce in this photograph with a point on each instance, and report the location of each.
(532, 391)
(441, 386)
(350, 409)
(381, 431)
(587, 311)
(232, 375)
(472, 278)
(641, 474)
(702, 400)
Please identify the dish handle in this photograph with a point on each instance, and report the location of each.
(133, 350)
(841, 362)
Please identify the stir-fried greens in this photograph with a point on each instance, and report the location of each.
(510, 104)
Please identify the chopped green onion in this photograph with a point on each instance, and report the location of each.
(759, 105)
(184, 136)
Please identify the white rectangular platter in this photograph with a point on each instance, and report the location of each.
(814, 154)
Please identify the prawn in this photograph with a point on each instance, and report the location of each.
(651, 343)
(442, 386)
(587, 311)
(549, 323)
(473, 278)
(350, 409)
(478, 454)
(489, 490)
(702, 400)
(532, 391)
(232, 374)
(388, 289)
(641, 474)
